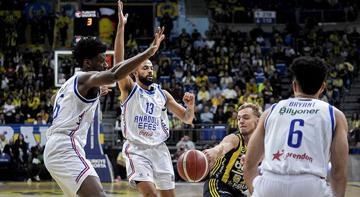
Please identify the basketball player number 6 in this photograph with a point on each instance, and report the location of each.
(57, 106)
(295, 133)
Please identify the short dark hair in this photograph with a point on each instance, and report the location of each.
(309, 73)
(87, 48)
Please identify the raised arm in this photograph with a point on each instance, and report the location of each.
(119, 39)
(125, 84)
(120, 70)
(255, 152)
(186, 115)
(228, 143)
(339, 155)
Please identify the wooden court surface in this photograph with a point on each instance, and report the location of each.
(117, 189)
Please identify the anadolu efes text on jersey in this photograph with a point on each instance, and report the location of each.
(144, 117)
(298, 135)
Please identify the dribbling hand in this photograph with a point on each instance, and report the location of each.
(211, 155)
(122, 18)
(189, 99)
(159, 36)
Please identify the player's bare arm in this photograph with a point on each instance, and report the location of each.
(120, 70)
(339, 155)
(119, 39)
(184, 114)
(125, 84)
(255, 152)
(227, 144)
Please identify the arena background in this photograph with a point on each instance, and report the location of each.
(225, 51)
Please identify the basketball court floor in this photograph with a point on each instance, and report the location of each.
(120, 189)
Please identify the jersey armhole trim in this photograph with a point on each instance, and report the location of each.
(267, 117)
(162, 93)
(332, 118)
(130, 95)
(80, 96)
(240, 141)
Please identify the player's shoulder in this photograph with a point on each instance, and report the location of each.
(68, 82)
(339, 114)
(164, 92)
(83, 76)
(236, 135)
(270, 109)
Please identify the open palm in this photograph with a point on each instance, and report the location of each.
(159, 36)
(122, 17)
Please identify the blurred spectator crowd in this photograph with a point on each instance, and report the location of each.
(228, 11)
(19, 162)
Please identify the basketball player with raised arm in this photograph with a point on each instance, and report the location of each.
(299, 136)
(145, 125)
(227, 173)
(74, 109)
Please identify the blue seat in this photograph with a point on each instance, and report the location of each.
(213, 133)
(281, 68)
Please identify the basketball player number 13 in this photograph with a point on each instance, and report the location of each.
(295, 134)
(149, 108)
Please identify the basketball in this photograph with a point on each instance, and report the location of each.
(192, 166)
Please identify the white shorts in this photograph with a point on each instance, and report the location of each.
(145, 163)
(274, 185)
(65, 159)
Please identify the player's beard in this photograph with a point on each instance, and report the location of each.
(145, 80)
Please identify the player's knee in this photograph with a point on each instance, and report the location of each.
(146, 188)
(101, 194)
(150, 193)
(96, 193)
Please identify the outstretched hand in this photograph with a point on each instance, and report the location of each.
(159, 36)
(122, 17)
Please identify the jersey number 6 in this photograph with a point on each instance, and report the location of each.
(297, 133)
(57, 106)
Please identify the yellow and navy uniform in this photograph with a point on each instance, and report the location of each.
(227, 174)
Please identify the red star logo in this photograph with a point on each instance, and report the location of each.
(277, 155)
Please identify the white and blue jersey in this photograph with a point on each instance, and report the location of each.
(144, 117)
(72, 113)
(298, 135)
(64, 155)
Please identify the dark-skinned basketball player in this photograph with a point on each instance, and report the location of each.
(226, 175)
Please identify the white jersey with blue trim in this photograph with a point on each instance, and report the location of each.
(298, 135)
(144, 119)
(72, 113)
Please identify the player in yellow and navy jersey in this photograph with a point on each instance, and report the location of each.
(226, 175)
